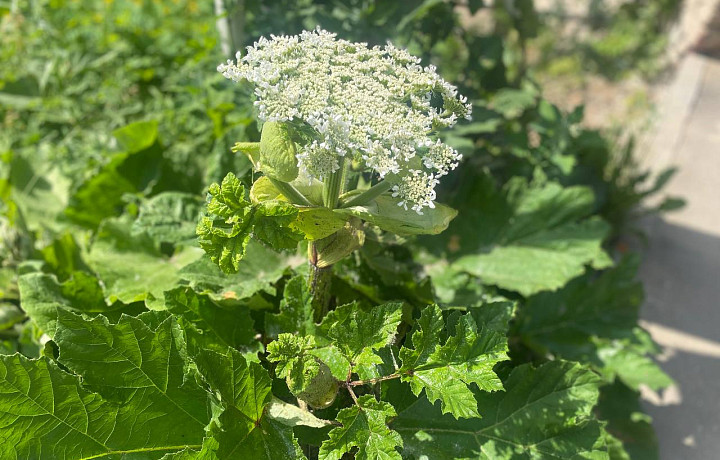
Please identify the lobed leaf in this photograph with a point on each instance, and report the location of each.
(363, 426)
(544, 412)
(46, 413)
(243, 428)
(225, 232)
(445, 371)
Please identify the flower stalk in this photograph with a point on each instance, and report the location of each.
(333, 186)
(368, 195)
(290, 192)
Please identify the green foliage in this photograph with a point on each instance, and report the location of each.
(497, 326)
(363, 426)
(544, 412)
(232, 219)
(445, 371)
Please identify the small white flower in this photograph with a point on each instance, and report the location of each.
(376, 104)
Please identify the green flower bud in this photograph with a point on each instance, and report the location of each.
(321, 391)
(278, 152)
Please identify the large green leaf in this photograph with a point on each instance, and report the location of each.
(363, 426)
(543, 413)
(41, 295)
(136, 361)
(259, 270)
(132, 267)
(170, 217)
(244, 429)
(542, 244)
(386, 214)
(595, 320)
(46, 413)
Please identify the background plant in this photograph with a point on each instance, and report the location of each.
(114, 124)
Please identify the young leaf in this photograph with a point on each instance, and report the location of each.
(364, 427)
(356, 332)
(46, 413)
(296, 311)
(243, 428)
(386, 214)
(543, 413)
(232, 219)
(209, 325)
(446, 371)
(294, 363)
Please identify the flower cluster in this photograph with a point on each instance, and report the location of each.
(377, 105)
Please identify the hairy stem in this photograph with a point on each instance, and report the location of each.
(368, 195)
(319, 280)
(373, 381)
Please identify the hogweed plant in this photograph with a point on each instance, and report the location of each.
(349, 145)
(350, 142)
(349, 135)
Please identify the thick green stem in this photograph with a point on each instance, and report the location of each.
(290, 192)
(368, 195)
(332, 188)
(319, 281)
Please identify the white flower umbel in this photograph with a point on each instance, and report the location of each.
(377, 105)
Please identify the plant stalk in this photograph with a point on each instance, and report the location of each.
(290, 192)
(368, 195)
(319, 281)
(332, 188)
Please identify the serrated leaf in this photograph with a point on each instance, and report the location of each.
(386, 214)
(226, 231)
(446, 371)
(296, 311)
(356, 332)
(545, 412)
(46, 413)
(131, 360)
(293, 361)
(169, 217)
(132, 267)
(210, 326)
(364, 427)
(243, 428)
(595, 320)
